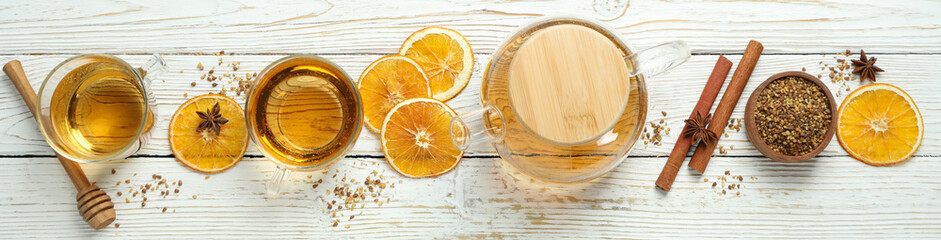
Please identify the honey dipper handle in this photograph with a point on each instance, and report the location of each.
(94, 205)
(14, 70)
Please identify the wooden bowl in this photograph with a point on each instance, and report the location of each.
(751, 128)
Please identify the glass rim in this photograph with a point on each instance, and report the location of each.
(250, 122)
(636, 134)
(49, 135)
(551, 20)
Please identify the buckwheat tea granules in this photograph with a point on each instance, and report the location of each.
(792, 115)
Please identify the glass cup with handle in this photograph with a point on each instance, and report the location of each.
(304, 114)
(97, 107)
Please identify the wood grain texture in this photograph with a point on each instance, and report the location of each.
(364, 26)
(826, 197)
(830, 196)
(674, 92)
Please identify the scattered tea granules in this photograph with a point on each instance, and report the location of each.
(154, 185)
(230, 81)
(840, 71)
(728, 182)
(350, 195)
(792, 115)
(654, 132)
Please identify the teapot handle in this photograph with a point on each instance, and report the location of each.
(659, 59)
(482, 126)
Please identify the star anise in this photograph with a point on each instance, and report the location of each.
(697, 129)
(212, 120)
(866, 68)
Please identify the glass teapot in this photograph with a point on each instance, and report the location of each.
(564, 99)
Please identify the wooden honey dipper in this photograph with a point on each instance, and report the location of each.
(94, 205)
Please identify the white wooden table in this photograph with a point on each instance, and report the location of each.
(831, 196)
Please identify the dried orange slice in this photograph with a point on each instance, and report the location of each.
(445, 56)
(416, 138)
(207, 133)
(879, 125)
(387, 82)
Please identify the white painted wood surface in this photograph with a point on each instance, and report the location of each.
(831, 196)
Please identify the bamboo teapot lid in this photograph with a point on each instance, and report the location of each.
(568, 83)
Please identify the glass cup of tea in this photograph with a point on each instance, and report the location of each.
(564, 99)
(97, 107)
(304, 113)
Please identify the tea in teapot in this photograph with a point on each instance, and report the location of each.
(565, 99)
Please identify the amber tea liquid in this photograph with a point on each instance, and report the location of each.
(304, 112)
(553, 61)
(98, 108)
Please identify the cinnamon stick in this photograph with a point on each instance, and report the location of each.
(683, 143)
(732, 93)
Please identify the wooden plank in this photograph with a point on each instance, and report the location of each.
(362, 26)
(484, 198)
(674, 92)
(831, 196)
